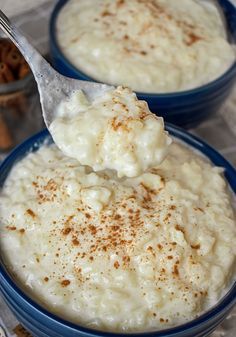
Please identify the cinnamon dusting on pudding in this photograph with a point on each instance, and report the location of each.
(65, 283)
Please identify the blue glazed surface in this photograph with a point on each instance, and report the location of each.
(42, 323)
(186, 108)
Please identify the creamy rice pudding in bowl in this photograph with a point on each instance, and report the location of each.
(143, 248)
(178, 56)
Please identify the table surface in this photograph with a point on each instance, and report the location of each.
(219, 130)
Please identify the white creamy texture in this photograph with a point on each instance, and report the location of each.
(134, 254)
(149, 46)
(116, 131)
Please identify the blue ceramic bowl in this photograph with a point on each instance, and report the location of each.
(42, 323)
(186, 108)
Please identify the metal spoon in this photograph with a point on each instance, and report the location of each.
(53, 87)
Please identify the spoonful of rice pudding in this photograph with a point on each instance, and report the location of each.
(100, 126)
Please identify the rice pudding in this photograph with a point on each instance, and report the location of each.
(121, 255)
(151, 46)
(115, 131)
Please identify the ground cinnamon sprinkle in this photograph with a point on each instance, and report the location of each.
(179, 228)
(199, 209)
(117, 217)
(51, 185)
(196, 246)
(68, 220)
(168, 215)
(93, 229)
(176, 270)
(126, 258)
(116, 264)
(193, 38)
(88, 216)
(31, 213)
(120, 3)
(106, 13)
(115, 228)
(75, 242)
(116, 124)
(47, 192)
(66, 231)
(65, 283)
(11, 228)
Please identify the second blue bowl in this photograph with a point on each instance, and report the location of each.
(186, 108)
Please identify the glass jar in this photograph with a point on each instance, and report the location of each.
(20, 112)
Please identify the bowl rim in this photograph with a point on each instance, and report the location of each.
(228, 299)
(231, 71)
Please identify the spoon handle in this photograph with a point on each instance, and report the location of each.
(36, 62)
